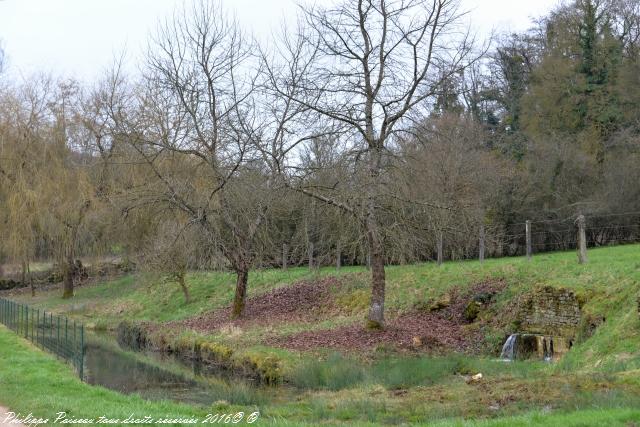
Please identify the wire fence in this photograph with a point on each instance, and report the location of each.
(546, 235)
(476, 238)
(55, 334)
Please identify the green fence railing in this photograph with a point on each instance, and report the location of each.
(56, 334)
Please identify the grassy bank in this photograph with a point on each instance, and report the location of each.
(607, 286)
(34, 382)
(595, 383)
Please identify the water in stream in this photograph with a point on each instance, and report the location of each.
(156, 376)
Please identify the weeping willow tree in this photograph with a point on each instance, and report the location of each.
(20, 148)
(46, 189)
(66, 189)
(22, 228)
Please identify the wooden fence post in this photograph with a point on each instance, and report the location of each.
(285, 256)
(440, 247)
(582, 240)
(338, 257)
(310, 255)
(528, 233)
(481, 244)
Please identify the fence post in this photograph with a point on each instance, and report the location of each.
(439, 245)
(58, 335)
(582, 240)
(285, 256)
(310, 255)
(81, 355)
(338, 257)
(44, 322)
(528, 233)
(37, 326)
(481, 244)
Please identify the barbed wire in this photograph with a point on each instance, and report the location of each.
(614, 227)
(573, 218)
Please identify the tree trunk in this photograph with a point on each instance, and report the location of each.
(26, 274)
(376, 309)
(239, 300)
(69, 269)
(311, 251)
(70, 266)
(376, 247)
(285, 256)
(23, 280)
(185, 289)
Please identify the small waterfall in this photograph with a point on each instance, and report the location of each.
(547, 349)
(509, 348)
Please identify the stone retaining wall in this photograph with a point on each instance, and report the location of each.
(550, 311)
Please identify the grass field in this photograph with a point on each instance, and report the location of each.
(608, 284)
(597, 383)
(34, 382)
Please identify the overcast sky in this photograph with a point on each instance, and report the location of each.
(80, 38)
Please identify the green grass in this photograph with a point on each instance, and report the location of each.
(594, 384)
(32, 381)
(597, 417)
(608, 284)
(148, 297)
(338, 372)
(609, 271)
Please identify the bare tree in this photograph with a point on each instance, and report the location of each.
(374, 65)
(211, 135)
(445, 176)
(170, 249)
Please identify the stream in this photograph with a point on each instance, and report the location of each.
(157, 376)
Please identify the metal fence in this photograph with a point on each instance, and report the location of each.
(56, 334)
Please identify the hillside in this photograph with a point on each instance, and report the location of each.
(309, 327)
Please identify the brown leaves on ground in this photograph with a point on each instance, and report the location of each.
(302, 302)
(417, 329)
(313, 301)
(433, 330)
